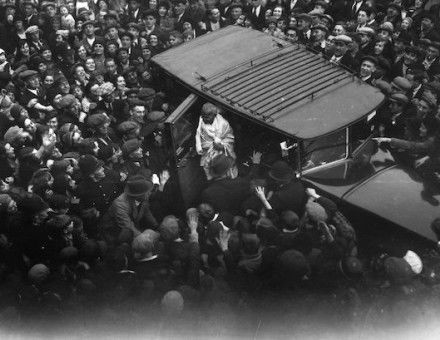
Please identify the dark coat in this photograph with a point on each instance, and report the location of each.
(291, 196)
(226, 194)
(258, 22)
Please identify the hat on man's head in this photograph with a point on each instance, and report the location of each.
(156, 116)
(399, 98)
(32, 29)
(370, 58)
(304, 16)
(316, 212)
(220, 165)
(169, 228)
(398, 271)
(12, 134)
(401, 83)
(33, 205)
(387, 26)
(106, 88)
(281, 172)
(88, 164)
(88, 22)
(127, 127)
(96, 120)
(292, 265)
(138, 186)
(321, 27)
(146, 92)
(129, 146)
(383, 86)
(366, 30)
(38, 273)
(343, 38)
(27, 74)
(67, 101)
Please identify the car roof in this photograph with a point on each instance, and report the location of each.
(395, 195)
(271, 81)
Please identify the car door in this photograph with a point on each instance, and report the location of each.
(181, 127)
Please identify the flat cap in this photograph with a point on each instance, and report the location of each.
(127, 126)
(366, 30)
(97, 119)
(399, 98)
(343, 38)
(31, 29)
(401, 83)
(28, 73)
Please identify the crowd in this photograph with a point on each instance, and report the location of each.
(87, 202)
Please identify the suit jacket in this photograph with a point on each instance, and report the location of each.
(352, 13)
(124, 214)
(258, 22)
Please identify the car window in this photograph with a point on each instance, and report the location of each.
(324, 150)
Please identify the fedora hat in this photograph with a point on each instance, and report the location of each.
(137, 186)
(281, 172)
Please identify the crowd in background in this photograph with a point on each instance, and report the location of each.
(87, 202)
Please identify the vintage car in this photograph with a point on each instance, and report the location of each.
(275, 91)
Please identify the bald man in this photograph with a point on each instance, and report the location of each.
(214, 136)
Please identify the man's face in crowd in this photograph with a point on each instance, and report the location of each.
(126, 41)
(28, 10)
(362, 17)
(367, 68)
(103, 128)
(50, 10)
(383, 34)
(256, 3)
(123, 56)
(318, 35)
(64, 87)
(179, 8)
(53, 123)
(134, 32)
(29, 126)
(409, 58)
(215, 15)
(89, 30)
(150, 21)
(423, 108)
(340, 48)
(432, 53)
(134, 5)
(365, 38)
(235, 13)
(110, 67)
(405, 24)
(395, 107)
(427, 24)
(398, 46)
(33, 82)
(98, 49)
(138, 113)
(291, 36)
(392, 12)
(292, 22)
(303, 25)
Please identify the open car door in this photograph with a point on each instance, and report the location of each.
(181, 127)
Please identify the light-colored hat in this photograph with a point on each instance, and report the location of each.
(31, 29)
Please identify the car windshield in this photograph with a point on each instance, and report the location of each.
(324, 150)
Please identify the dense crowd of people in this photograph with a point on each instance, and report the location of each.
(88, 209)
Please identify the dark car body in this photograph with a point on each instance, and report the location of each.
(298, 94)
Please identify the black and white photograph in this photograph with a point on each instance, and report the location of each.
(220, 169)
